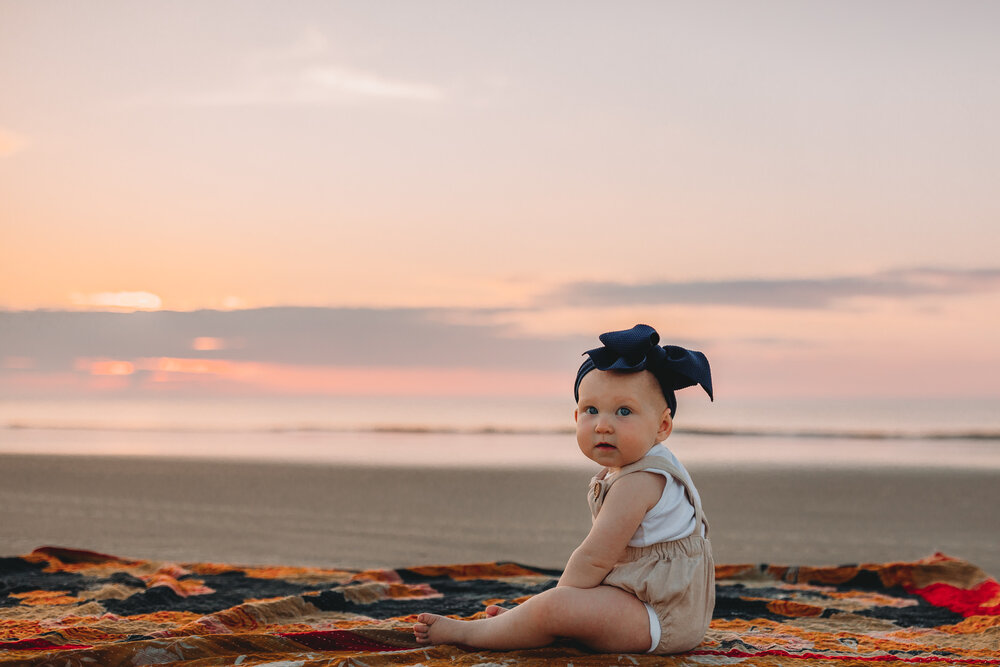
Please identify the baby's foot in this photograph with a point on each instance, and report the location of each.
(435, 629)
(494, 610)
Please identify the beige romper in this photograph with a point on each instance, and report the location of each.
(676, 579)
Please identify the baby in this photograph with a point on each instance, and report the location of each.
(643, 580)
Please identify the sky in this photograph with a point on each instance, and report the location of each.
(269, 197)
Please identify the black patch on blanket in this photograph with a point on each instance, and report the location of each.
(730, 602)
(462, 598)
(923, 615)
(414, 577)
(231, 589)
(20, 576)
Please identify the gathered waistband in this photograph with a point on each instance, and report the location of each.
(692, 545)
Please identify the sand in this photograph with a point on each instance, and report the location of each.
(360, 517)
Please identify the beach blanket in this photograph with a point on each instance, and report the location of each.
(70, 607)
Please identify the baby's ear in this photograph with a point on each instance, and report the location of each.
(666, 425)
(575, 415)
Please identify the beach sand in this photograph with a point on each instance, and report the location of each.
(364, 517)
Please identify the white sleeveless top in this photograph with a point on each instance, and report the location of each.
(672, 517)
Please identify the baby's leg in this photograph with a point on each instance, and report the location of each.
(604, 618)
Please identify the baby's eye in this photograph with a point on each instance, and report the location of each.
(591, 410)
(623, 412)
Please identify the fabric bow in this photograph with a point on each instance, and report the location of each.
(637, 349)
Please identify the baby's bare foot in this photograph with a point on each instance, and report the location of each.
(435, 629)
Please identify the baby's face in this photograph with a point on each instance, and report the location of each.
(620, 416)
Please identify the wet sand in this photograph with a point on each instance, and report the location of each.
(328, 515)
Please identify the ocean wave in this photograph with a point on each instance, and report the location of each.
(846, 434)
(282, 428)
(417, 429)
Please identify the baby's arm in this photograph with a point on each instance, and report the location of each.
(627, 502)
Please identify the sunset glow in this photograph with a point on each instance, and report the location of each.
(208, 344)
(105, 367)
(350, 198)
(247, 378)
(117, 300)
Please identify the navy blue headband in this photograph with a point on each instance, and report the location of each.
(637, 349)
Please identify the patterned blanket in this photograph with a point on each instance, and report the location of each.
(69, 607)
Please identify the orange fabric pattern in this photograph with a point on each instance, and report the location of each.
(75, 608)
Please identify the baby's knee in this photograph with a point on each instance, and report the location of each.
(550, 608)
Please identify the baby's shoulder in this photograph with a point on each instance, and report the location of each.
(641, 487)
(661, 461)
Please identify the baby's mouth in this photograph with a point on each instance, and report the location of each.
(604, 445)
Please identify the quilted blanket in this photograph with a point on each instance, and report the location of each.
(71, 607)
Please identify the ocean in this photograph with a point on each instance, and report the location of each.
(503, 432)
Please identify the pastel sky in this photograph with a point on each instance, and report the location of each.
(807, 190)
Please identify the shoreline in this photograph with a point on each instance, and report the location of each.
(492, 450)
(366, 516)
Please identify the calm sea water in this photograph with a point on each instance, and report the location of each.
(478, 431)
